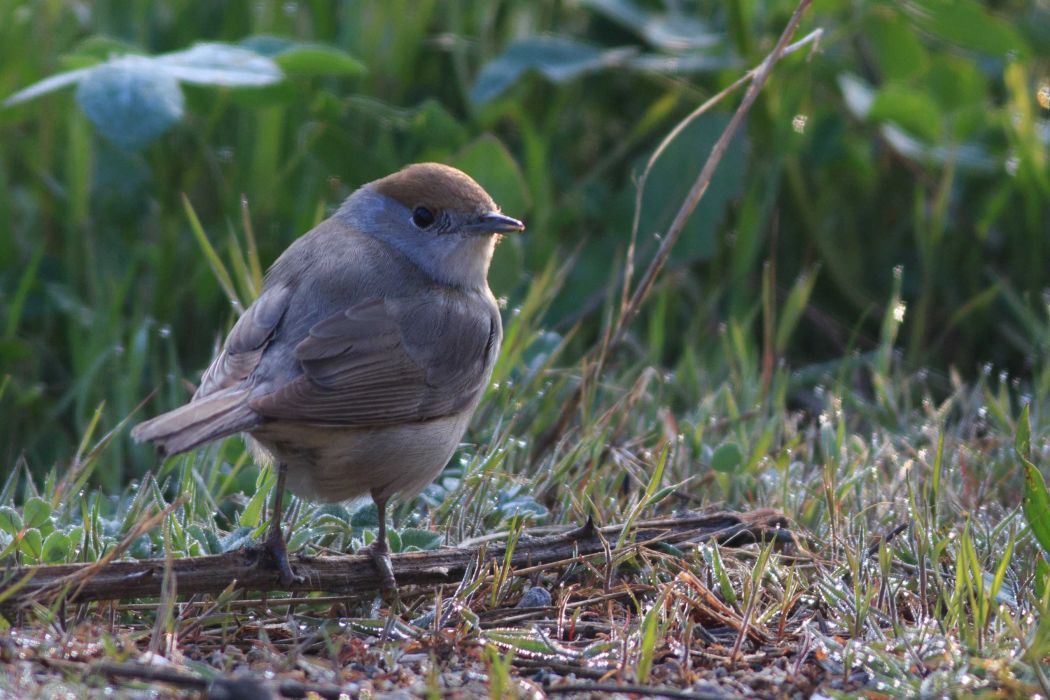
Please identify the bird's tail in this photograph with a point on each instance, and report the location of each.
(202, 420)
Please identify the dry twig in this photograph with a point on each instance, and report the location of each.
(126, 580)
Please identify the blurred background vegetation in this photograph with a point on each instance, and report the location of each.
(914, 139)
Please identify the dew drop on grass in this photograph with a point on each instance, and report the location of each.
(798, 123)
(164, 331)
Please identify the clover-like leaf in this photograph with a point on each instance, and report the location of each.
(220, 64)
(727, 458)
(131, 100)
(556, 58)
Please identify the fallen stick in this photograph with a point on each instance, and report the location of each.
(124, 580)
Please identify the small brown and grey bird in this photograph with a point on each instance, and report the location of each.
(358, 368)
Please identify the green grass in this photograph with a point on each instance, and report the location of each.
(848, 332)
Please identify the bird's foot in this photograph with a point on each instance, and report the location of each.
(380, 554)
(276, 550)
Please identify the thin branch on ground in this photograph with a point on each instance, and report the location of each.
(126, 580)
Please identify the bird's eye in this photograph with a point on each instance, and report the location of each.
(422, 217)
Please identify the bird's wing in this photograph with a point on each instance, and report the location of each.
(389, 361)
(246, 343)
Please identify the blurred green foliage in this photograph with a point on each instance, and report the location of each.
(915, 136)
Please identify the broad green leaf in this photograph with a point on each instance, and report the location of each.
(556, 58)
(36, 512)
(32, 543)
(10, 520)
(311, 59)
(98, 49)
(673, 175)
(727, 458)
(220, 64)
(955, 83)
(131, 101)
(56, 548)
(966, 23)
(911, 109)
(669, 31)
(898, 49)
(490, 163)
(420, 539)
(305, 58)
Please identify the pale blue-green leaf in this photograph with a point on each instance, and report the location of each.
(969, 156)
(556, 58)
(671, 31)
(858, 95)
(683, 64)
(55, 82)
(220, 64)
(130, 100)
(240, 537)
(367, 516)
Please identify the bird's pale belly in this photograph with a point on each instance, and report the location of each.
(336, 464)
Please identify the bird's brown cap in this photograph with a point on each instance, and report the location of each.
(436, 186)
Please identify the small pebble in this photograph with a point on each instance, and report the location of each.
(535, 597)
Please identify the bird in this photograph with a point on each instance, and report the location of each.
(361, 362)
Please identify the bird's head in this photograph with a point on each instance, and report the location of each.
(437, 216)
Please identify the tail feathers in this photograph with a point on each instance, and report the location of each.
(202, 420)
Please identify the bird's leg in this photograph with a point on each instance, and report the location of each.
(274, 543)
(380, 551)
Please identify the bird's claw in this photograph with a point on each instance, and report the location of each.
(275, 546)
(380, 554)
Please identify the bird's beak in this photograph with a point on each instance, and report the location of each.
(493, 222)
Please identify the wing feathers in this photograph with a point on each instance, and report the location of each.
(389, 361)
